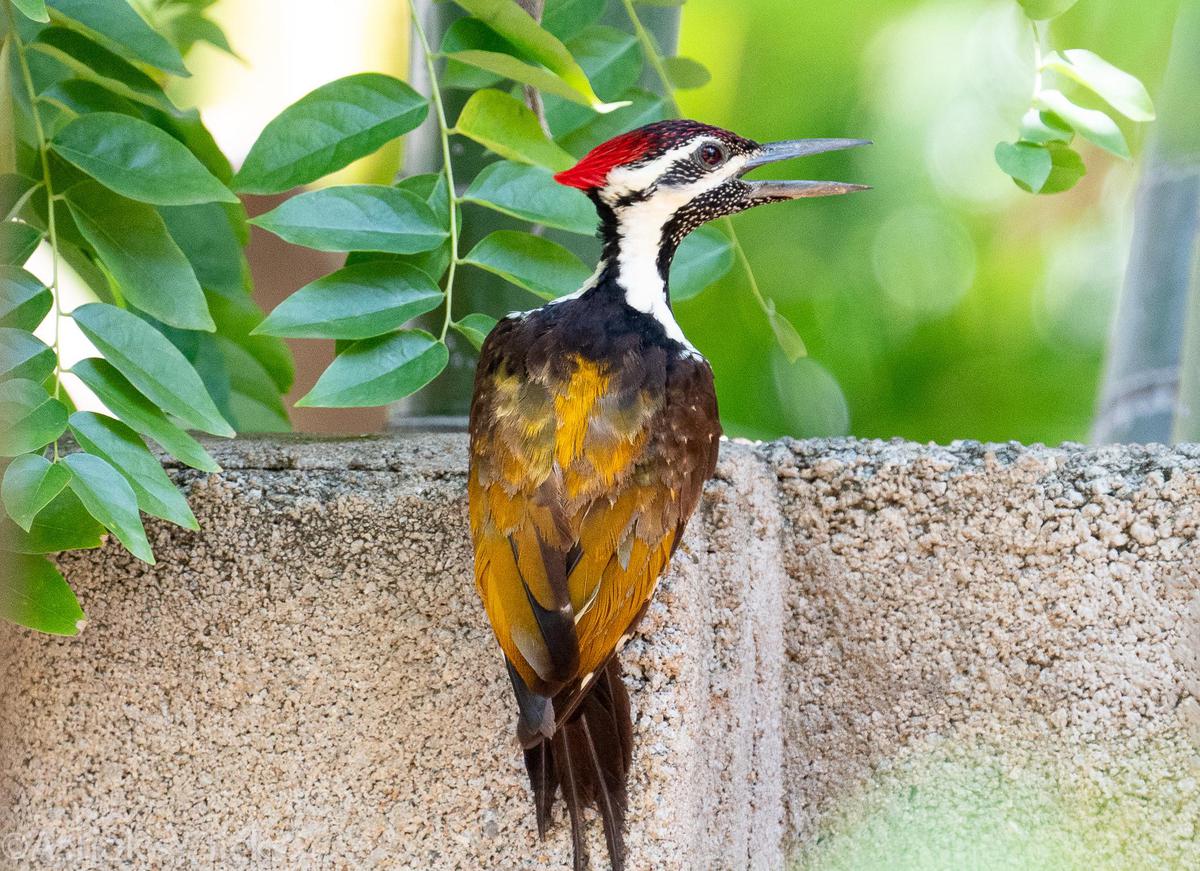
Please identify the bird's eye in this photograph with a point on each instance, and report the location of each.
(711, 155)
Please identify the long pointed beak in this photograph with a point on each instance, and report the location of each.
(775, 152)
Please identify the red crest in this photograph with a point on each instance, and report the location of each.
(593, 170)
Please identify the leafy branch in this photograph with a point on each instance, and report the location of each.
(404, 240)
(1042, 159)
(129, 193)
(47, 182)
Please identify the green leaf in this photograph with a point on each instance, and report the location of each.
(34, 594)
(785, 334)
(132, 241)
(356, 302)
(1043, 127)
(108, 497)
(154, 366)
(360, 217)
(613, 61)
(189, 26)
(34, 10)
(206, 235)
(43, 72)
(1092, 124)
(24, 301)
(14, 188)
(17, 242)
(253, 397)
(1040, 10)
(30, 482)
(1027, 163)
(90, 272)
(518, 27)
(506, 125)
(328, 129)
(116, 23)
(236, 319)
(643, 109)
(91, 61)
(255, 416)
(137, 160)
(475, 328)
(430, 187)
(379, 370)
(188, 127)
(687, 74)
(471, 34)
(29, 417)
(538, 265)
(79, 97)
(704, 258)
(204, 353)
(1115, 86)
(532, 194)
(64, 524)
(660, 2)
(509, 67)
(124, 450)
(568, 18)
(123, 400)
(24, 355)
(611, 57)
(1068, 169)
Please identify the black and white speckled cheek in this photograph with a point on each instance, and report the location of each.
(726, 199)
(683, 172)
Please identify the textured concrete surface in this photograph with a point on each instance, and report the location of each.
(868, 655)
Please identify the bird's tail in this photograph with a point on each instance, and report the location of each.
(587, 758)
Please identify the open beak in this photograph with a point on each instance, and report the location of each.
(775, 152)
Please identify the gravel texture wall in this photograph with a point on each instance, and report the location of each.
(867, 655)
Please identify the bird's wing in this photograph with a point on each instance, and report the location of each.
(519, 523)
(628, 532)
(581, 482)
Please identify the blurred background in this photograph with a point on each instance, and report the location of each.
(945, 304)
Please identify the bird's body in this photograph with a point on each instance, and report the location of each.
(593, 428)
(589, 449)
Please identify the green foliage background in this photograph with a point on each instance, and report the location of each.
(1016, 352)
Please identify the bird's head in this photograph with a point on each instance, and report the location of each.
(670, 177)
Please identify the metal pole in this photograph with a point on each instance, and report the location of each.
(1151, 388)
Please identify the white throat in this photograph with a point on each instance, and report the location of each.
(640, 226)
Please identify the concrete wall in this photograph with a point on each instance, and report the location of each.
(867, 655)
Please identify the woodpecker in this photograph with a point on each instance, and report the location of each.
(593, 429)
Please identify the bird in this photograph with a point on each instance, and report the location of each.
(593, 428)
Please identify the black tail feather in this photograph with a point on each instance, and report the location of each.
(573, 799)
(588, 758)
(609, 802)
(539, 762)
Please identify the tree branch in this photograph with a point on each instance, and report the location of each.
(533, 99)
